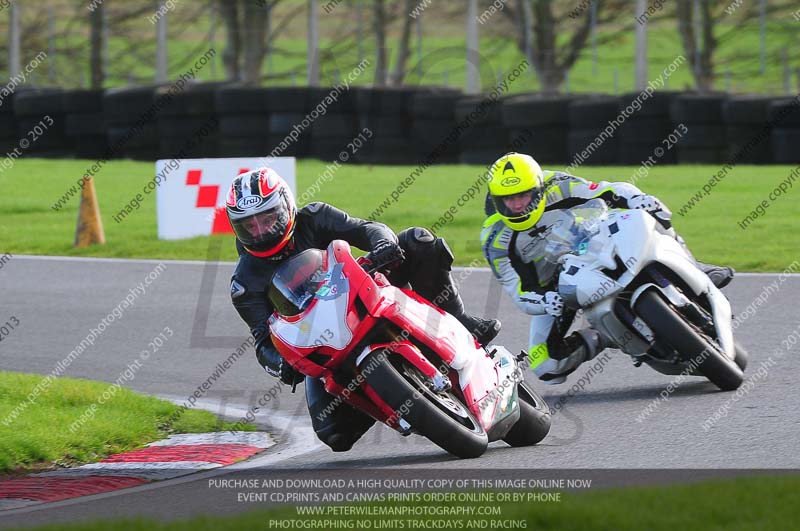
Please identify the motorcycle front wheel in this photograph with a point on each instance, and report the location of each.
(671, 328)
(534, 419)
(441, 417)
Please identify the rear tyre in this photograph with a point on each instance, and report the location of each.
(673, 330)
(534, 419)
(440, 417)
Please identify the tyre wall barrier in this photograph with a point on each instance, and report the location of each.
(399, 125)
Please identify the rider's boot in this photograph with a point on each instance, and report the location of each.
(427, 267)
(721, 276)
(576, 348)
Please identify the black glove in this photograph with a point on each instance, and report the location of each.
(276, 366)
(290, 375)
(386, 255)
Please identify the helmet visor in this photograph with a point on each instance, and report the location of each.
(266, 229)
(517, 206)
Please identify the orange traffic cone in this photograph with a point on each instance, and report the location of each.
(90, 225)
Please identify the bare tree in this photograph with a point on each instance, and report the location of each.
(251, 29)
(700, 51)
(719, 24)
(96, 70)
(255, 25)
(229, 12)
(403, 50)
(546, 23)
(379, 23)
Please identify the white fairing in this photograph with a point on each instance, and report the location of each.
(503, 400)
(324, 324)
(636, 241)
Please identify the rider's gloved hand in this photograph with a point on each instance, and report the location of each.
(553, 304)
(648, 203)
(386, 254)
(654, 207)
(290, 375)
(275, 365)
(269, 358)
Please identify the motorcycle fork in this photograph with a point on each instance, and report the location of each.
(442, 381)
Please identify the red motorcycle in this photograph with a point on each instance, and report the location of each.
(395, 356)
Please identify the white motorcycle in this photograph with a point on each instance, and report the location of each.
(642, 291)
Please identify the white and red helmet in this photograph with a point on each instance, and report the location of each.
(262, 212)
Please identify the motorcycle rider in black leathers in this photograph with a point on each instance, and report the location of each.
(269, 229)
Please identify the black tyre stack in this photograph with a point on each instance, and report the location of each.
(539, 123)
(243, 121)
(8, 126)
(85, 123)
(335, 124)
(486, 139)
(131, 122)
(287, 107)
(44, 139)
(386, 114)
(188, 126)
(587, 120)
(785, 115)
(705, 141)
(746, 132)
(433, 123)
(647, 129)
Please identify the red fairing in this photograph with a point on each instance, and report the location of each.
(425, 321)
(420, 323)
(360, 282)
(439, 331)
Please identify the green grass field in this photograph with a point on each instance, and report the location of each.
(39, 435)
(732, 505)
(29, 226)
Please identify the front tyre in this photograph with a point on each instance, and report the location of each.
(534, 419)
(742, 357)
(671, 328)
(440, 417)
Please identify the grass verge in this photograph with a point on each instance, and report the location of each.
(39, 435)
(29, 226)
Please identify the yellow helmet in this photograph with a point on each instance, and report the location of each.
(515, 174)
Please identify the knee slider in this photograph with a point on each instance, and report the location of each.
(336, 441)
(423, 247)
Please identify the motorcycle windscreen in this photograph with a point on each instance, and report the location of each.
(296, 281)
(325, 322)
(569, 232)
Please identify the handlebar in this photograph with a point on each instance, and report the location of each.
(371, 267)
(366, 264)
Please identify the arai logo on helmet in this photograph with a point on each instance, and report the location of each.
(248, 202)
(510, 181)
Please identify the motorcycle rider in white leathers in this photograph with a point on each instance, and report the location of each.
(523, 205)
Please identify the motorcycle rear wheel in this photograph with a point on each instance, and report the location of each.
(534, 419)
(440, 417)
(671, 328)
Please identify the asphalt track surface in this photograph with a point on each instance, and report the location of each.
(598, 430)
